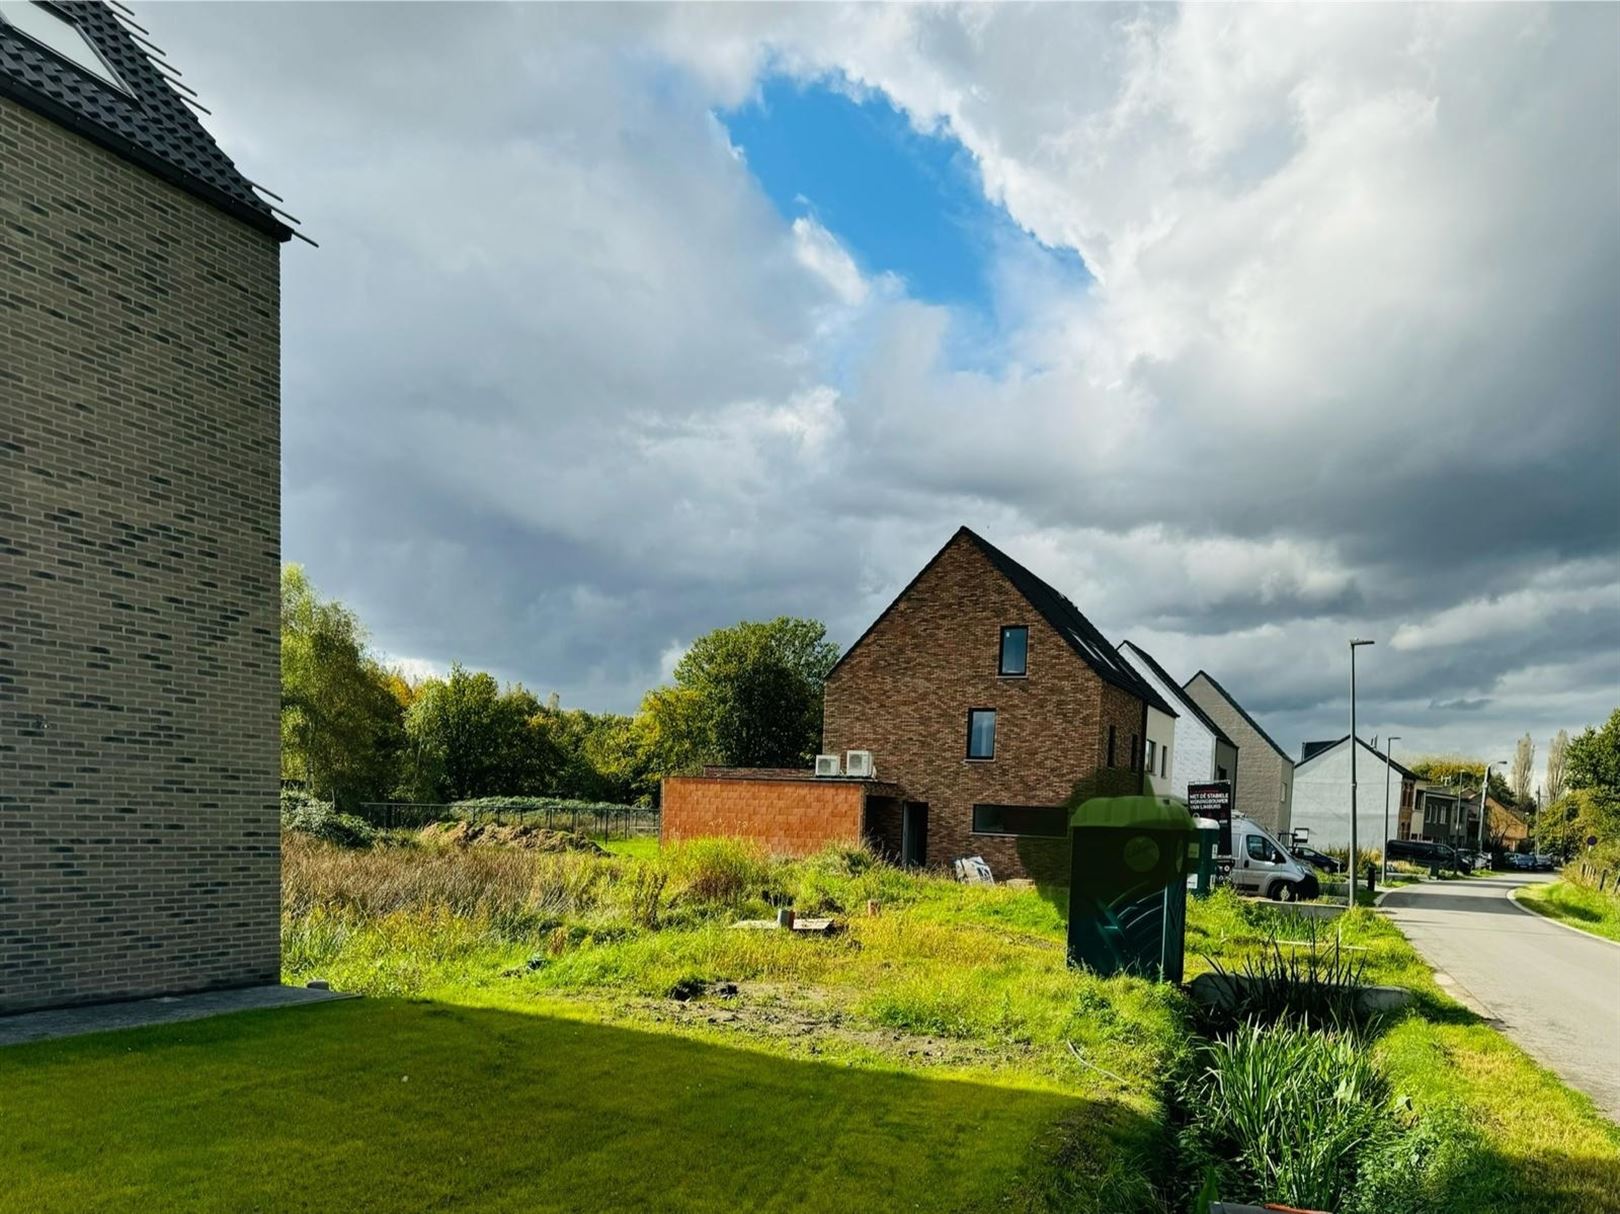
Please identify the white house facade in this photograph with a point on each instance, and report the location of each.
(1201, 750)
(1322, 796)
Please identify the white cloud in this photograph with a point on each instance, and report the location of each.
(561, 384)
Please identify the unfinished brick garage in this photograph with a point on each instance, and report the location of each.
(789, 813)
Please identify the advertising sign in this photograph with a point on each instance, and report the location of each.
(1213, 800)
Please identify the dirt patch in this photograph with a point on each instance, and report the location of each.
(806, 1018)
(522, 835)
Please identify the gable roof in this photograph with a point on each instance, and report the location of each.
(1241, 711)
(1185, 700)
(1321, 748)
(149, 125)
(1063, 616)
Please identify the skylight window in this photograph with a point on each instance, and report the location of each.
(60, 36)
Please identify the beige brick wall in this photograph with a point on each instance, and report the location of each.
(786, 817)
(139, 527)
(1263, 791)
(904, 693)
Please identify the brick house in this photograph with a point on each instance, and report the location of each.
(1263, 790)
(986, 697)
(139, 518)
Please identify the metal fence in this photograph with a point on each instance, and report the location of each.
(599, 821)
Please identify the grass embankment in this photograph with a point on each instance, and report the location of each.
(581, 1031)
(1577, 905)
(1518, 1139)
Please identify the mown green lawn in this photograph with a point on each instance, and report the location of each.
(389, 1105)
(1577, 905)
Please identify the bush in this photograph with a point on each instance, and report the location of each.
(1310, 984)
(723, 871)
(1281, 1113)
(318, 819)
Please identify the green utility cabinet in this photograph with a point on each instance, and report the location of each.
(1128, 885)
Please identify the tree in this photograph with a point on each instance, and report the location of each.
(1524, 760)
(468, 738)
(1557, 766)
(745, 696)
(1594, 758)
(341, 720)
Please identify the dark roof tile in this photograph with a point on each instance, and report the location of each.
(153, 128)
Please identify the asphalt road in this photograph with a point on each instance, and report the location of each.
(1555, 991)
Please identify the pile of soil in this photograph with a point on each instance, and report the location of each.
(525, 835)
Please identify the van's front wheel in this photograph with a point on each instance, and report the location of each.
(1284, 891)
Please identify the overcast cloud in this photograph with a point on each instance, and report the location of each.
(563, 389)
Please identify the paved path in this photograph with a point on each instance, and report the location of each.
(1556, 991)
(138, 1013)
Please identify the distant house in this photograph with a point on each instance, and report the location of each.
(1322, 794)
(1264, 789)
(1506, 828)
(984, 697)
(140, 365)
(1439, 815)
(1202, 750)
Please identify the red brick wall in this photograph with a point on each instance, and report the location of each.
(787, 817)
(904, 693)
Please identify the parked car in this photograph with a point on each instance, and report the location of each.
(1315, 859)
(1261, 865)
(1520, 863)
(1420, 851)
(1545, 863)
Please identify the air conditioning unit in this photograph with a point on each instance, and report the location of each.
(827, 765)
(859, 763)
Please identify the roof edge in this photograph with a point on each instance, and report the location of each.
(1244, 713)
(64, 116)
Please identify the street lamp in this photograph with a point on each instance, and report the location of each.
(1355, 642)
(1389, 745)
(1483, 789)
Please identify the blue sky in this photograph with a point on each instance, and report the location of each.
(899, 200)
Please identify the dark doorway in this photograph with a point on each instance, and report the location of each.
(914, 834)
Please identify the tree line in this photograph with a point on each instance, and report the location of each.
(354, 729)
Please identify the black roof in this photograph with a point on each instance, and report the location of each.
(153, 128)
(1311, 749)
(1082, 636)
(1242, 712)
(1164, 676)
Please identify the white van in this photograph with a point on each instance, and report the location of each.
(1262, 865)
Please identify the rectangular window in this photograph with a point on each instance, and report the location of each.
(1220, 773)
(981, 741)
(1152, 754)
(1015, 650)
(1164, 761)
(1136, 764)
(1110, 746)
(1046, 822)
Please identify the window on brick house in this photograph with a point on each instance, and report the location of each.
(1046, 822)
(1110, 746)
(1014, 650)
(1136, 762)
(981, 739)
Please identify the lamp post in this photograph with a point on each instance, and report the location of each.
(1483, 789)
(1389, 745)
(1355, 642)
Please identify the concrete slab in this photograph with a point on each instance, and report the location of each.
(165, 1009)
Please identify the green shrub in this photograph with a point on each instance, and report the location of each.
(318, 819)
(1311, 983)
(1282, 1113)
(721, 871)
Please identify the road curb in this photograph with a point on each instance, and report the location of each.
(1513, 897)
